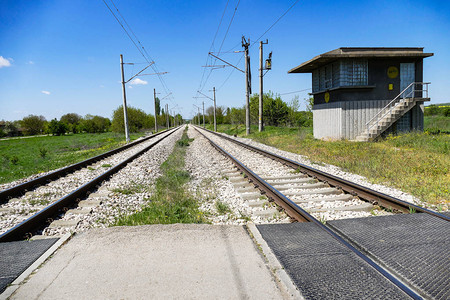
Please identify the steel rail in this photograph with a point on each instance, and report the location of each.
(352, 188)
(45, 216)
(293, 210)
(306, 217)
(34, 183)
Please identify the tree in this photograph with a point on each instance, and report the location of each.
(56, 127)
(12, 128)
(137, 120)
(309, 104)
(275, 111)
(95, 124)
(237, 115)
(158, 106)
(33, 124)
(219, 115)
(72, 121)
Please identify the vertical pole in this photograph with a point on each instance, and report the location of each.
(125, 113)
(260, 124)
(245, 44)
(198, 110)
(203, 103)
(156, 116)
(215, 123)
(167, 115)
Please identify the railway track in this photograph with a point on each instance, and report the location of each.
(314, 191)
(60, 190)
(271, 186)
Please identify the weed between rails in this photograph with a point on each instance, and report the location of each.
(171, 202)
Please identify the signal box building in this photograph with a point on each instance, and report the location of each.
(362, 93)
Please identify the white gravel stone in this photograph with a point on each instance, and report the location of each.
(336, 171)
(266, 167)
(210, 183)
(141, 171)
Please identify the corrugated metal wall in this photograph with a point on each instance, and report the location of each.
(344, 120)
(355, 115)
(327, 120)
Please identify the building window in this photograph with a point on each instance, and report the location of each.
(351, 72)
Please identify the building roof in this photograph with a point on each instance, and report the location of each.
(359, 52)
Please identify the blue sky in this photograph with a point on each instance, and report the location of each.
(62, 56)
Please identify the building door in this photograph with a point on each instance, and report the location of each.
(407, 76)
(407, 72)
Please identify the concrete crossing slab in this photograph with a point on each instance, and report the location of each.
(180, 261)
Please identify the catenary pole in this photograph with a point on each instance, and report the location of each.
(156, 116)
(125, 113)
(215, 123)
(245, 44)
(261, 95)
(167, 115)
(203, 104)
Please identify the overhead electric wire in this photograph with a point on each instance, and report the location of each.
(242, 56)
(221, 45)
(120, 23)
(142, 51)
(274, 23)
(212, 44)
(304, 90)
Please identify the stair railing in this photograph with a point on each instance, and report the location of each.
(403, 95)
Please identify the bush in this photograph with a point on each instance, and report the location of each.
(33, 124)
(56, 127)
(435, 110)
(72, 121)
(137, 120)
(95, 124)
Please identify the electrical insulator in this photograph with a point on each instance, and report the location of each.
(268, 65)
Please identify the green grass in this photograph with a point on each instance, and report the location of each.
(21, 158)
(434, 123)
(133, 188)
(222, 208)
(417, 163)
(170, 203)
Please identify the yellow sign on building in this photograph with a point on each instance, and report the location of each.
(392, 72)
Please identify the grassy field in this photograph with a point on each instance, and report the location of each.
(441, 123)
(417, 163)
(170, 202)
(20, 158)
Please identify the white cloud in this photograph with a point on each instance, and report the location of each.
(138, 81)
(45, 92)
(31, 62)
(5, 62)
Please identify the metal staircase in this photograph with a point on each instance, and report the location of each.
(399, 106)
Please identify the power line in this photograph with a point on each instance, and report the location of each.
(295, 92)
(120, 23)
(212, 44)
(275, 22)
(141, 49)
(221, 45)
(229, 25)
(240, 59)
